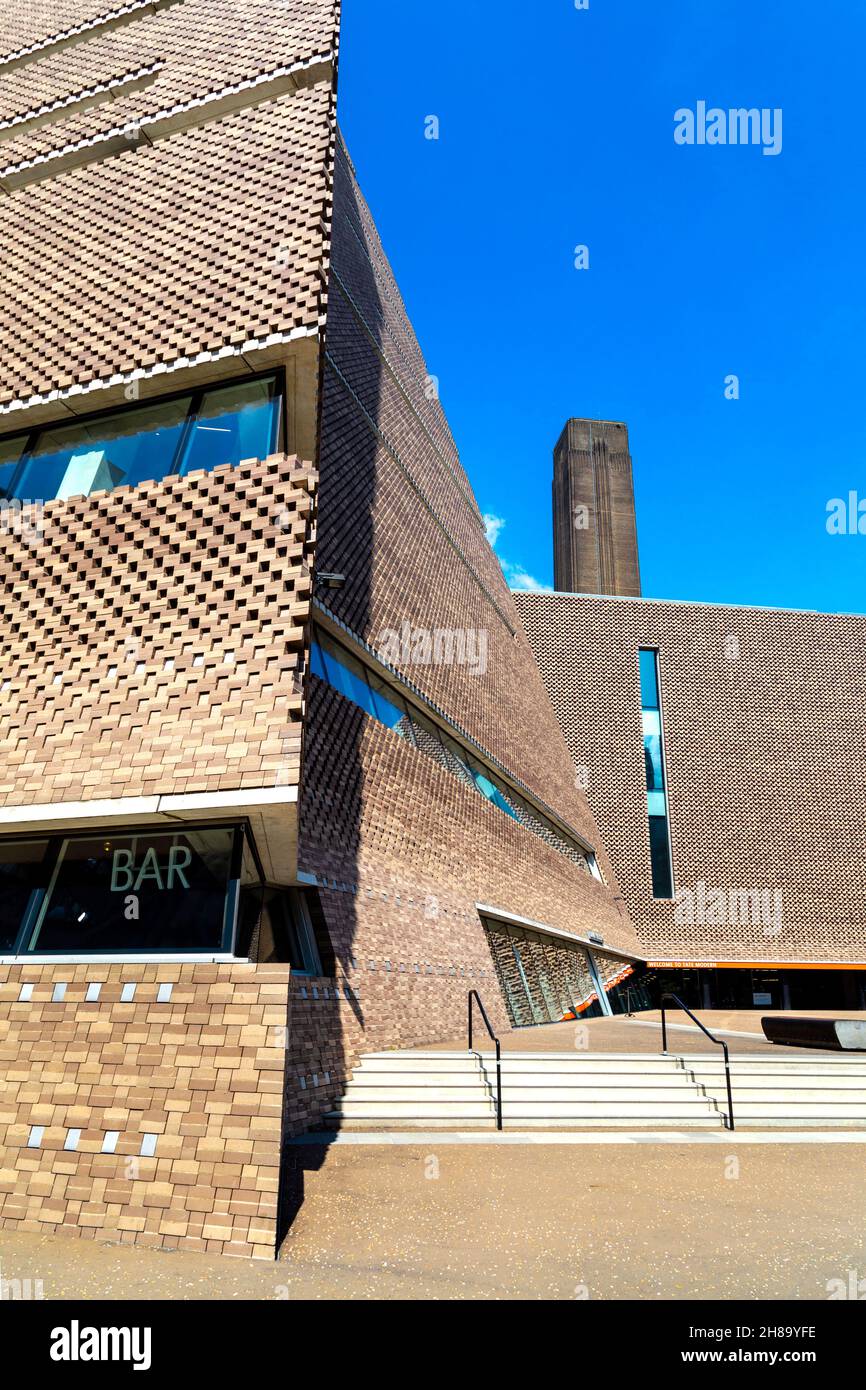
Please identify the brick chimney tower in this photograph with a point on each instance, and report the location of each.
(594, 526)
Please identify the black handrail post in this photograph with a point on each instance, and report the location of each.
(720, 1042)
(730, 1124)
(473, 997)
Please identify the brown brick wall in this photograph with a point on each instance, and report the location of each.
(203, 1071)
(592, 472)
(153, 638)
(764, 716)
(403, 852)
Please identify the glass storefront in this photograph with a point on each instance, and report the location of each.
(145, 891)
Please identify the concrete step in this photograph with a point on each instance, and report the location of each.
(612, 1080)
(334, 1120)
(418, 1089)
(562, 1109)
(539, 1094)
(531, 1061)
(789, 1085)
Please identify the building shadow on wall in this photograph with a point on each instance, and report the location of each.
(327, 1019)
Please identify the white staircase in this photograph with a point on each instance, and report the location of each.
(551, 1090)
(418, 1090)
(824, 1091)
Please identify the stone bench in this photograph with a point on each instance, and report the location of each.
(833, 1034)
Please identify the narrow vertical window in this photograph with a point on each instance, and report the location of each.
(656, 794)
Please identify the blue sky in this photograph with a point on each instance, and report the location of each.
(555, 130)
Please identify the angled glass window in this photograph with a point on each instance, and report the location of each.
(317, 661)
(234, 423)
(389, 706)
(132, 446)
(458, 762)
(10, 452)
(332, 662)
(144, 443)
(491, 791)
(346, 674)
(427, 738)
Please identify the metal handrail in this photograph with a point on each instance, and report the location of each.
(729, 1118)
(473, 995)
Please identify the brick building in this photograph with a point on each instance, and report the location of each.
(280, 779)
(737, 835)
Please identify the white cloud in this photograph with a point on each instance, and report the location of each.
(493, 525)
(516, 576)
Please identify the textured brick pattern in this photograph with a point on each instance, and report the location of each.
(594, 527)
(214, 239)
(37, 21)
(202, 47)
(765, 729)
(403, 852)
(153, 638)
(202, 1071)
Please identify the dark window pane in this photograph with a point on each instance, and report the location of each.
(22, 874)
(139, 893)
(660, 857)
(130, 447)
(10, 452)
(234, 423)
(649, 692)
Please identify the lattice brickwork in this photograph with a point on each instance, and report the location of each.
(153, 637)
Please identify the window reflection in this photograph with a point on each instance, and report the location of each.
(10, 452)
(235, 422)
(657, 809)
(146, 892)
(131, 447)
(145, 443)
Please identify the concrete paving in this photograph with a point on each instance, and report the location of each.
(477, 1221)
(741, 1031)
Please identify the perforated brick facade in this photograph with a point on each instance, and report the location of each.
(153, 638)
(764, 720)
